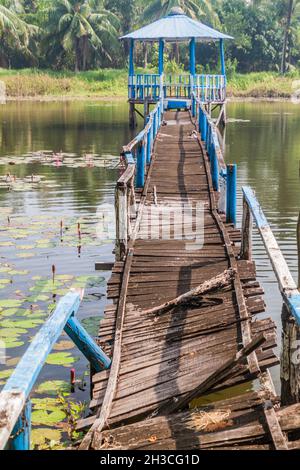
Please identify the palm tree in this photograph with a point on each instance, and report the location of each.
(194, 8)
(292, 12)
(15, 33)
(81, 26)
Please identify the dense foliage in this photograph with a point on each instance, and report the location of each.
(83, 34)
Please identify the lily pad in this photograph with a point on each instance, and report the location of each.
(10, 303)
(5, 374)
(18, 273)
(63, 346)
(61, 359)
(25, 255)
(40, 436)
(47, 417)
(28, 324)
(53, 387)
(37, 298)
(11, 344)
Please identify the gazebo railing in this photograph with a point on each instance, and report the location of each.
(208, 88)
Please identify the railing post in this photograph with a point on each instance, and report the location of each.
(231, 193)
(204, 127)
(193, 105)
(93, 353)
(20, 438)
(140, 179)
(121, 221)
(149, 146)
(246, 248)
(154, 126)
(214, 168)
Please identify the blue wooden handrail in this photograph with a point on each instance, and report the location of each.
(224, 177)
(14, 405)
(139, 150)
(287, 285)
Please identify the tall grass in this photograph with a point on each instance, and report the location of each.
(110, 83)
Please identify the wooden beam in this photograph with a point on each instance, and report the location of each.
(104, 266)
(278, 438)
(217, 283)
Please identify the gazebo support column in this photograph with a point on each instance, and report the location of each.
(161, 71)
(193, 72)
(222, 116)
(132, 115)
(222, 55)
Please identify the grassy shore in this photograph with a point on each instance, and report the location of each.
(108, 83)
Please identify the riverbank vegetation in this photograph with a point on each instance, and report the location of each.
(111, 83)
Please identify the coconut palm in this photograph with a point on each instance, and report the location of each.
(80, 27)
(15, 33)
(194, 8)
(292, 9)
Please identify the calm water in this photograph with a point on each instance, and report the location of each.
(261, 138)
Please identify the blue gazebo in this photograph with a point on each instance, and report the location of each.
(176, 91)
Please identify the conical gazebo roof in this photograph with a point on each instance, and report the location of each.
(176, 27)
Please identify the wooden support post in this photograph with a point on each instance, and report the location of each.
(204, 127)
(146, 110)
(290, 355)
(154, 127)
(214, 168)
(121, 221)
(247, 231)
(141, 161)
(231, 194)
(20, 438)
(149, 149)
(132, 116)
(290, 359)
(93, 353)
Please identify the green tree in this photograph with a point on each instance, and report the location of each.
(201, 9)
(15, 33)
(291, 24)
(78, 27)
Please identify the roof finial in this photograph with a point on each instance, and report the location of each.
(176, 11)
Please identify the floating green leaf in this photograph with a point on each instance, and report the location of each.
(47, 417)
(10, 303)
(5, 374)
(61, 359)
(53, 387)
(40, 436)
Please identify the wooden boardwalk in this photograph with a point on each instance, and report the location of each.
(161, 358)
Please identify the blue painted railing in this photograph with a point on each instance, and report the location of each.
(137, 156)
(224, 177)
(15, 406)
(288, 288)
(208, 88)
